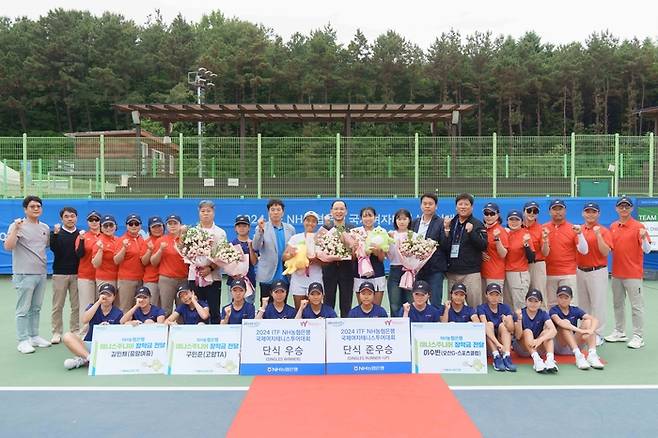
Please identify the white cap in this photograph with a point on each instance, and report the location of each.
(311, 213)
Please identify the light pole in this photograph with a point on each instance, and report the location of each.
(200, 80)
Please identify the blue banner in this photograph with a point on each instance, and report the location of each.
(369, 368)
(288, 369)
(228, 209)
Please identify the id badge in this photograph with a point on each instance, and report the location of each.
(454, 251)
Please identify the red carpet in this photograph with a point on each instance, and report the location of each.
(395, 405)
(566, 360)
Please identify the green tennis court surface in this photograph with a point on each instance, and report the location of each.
(45, 367)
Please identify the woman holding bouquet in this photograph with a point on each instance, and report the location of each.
(396, 295)
(301, 279)
(376, 275)
(170, 264)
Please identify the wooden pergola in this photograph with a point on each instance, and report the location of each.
(650, 113)
(295, 113)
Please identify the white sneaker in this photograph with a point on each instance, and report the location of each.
(636, 342)
(25, 347)
(38, 341)
(616, 336)
(75, 362)
(551, 366)
(539, 365)
(594, 360)
(582, 363)
(599, 341)
(56, 339)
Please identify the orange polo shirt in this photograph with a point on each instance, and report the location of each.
(516, 261)
(494, 268)
(535, 238)
(562, 241)
(86, 270)
(594, 258)
(108, 269)
(171, 262)
(131, 268)
(151, 273)
(627, 257)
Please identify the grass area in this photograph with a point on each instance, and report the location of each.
(45, 367)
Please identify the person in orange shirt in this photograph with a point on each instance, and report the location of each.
(537, 269)
(520, 254)
(104, 252)
(592, 273)
(151, 272)
(131, 258)
(630, 241)
(84, 247)
(172, 268)
(493, 259)
(560, 242)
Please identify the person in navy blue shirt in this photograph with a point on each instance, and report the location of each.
(317, 308)
(455, 309)
(420, 310)
(534, 333)
(570, 334)
(367, 308)
(498, 321)
(191, 310)
(101, 312)
(239, 309)
(143, 312)
(277, 309)
(242, 229)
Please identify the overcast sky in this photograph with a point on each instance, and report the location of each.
(557, 21)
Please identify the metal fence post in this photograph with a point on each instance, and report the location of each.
(259, 169)
(180, 165)
(615, 186)
(494, 153)
(102, 154)
(651, 164)
(24, 165)
(573, 164)
(416, 166)
(337, 165)
(5, 184)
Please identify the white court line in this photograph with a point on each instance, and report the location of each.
(246, 388)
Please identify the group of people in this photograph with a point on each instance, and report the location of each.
(495, 274)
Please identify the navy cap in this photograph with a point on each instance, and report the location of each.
(133, 217)
(315, 286)
(239, 282)
(534, 293)
(242, 219)
(515, 213)
(491, 206)
(155, 220)
(557, 203)
(624, 200)
(107, 288)
(531, 204)
(94, 213)
(458, 287)
(564, 290)
(421, 286)
(173, 217)
(108, 218)
(143, 291)
(280, 285)
(494, 287)
(591, 206)
(366, 285)
(182, 289)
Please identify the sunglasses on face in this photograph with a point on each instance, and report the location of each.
(93, 219)
(490, 213)
(133, 224)
(532, 211)
(108, 225)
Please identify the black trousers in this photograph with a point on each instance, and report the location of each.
(212, 295)
(339, 275)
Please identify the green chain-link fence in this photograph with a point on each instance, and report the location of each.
(130, 166)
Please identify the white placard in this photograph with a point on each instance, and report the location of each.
(126, 349)
(368, 346)
(233, 182)
(449, 348)
(209, 182)
(282, 347)
(204, 349)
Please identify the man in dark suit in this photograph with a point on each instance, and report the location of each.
(429, 225)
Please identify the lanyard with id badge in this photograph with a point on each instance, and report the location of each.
(456, 239)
